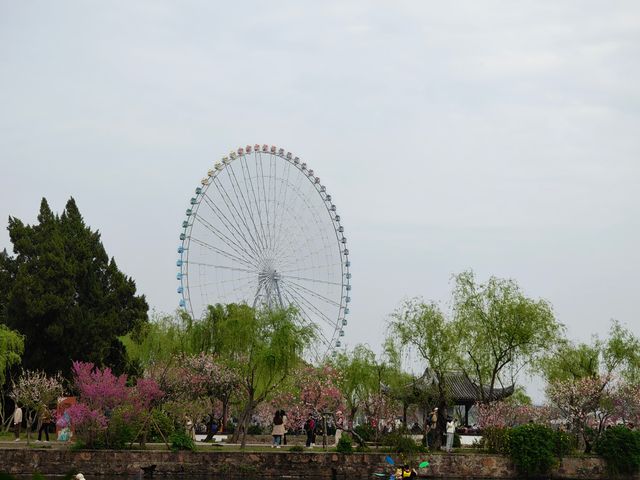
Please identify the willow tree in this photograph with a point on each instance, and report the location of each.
(263, 347)
(501, 329)
(423, 329)
(358, 379)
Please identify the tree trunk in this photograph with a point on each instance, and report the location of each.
(243, 424)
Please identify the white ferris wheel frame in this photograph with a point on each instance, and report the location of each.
(192, 213)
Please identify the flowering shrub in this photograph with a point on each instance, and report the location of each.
(504, 414)
(108, 412)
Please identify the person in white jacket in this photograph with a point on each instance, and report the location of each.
(17, 422)
(451, 430)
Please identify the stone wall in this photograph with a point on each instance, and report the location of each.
(330, 466)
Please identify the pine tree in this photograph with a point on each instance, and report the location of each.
(64, 294)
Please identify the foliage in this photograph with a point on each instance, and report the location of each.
(532, 449)
(254, 430)
(161, 426)
(616, 356)
(109, 412)
(180, 440)
(66, 296)
(358, 379)
(264, 348)
(502, 330)
(496, 439)
(403, 444)
(564, 443)
(345, 445)
(627, 403)
(620, 447)
(123, 427)
(366, 432)
(35, 391)
(509, 414)
(422, 328)
(11, 350)
(296, 448)
(586, 404)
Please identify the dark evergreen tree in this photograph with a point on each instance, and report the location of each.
(65, 295)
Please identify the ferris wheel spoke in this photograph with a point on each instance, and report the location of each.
(314, 280)
(221, 282)
(305, 315)
(222, 267)
(224, 253)
(227, 201)
(242, 217)
(257, 238)
(283, 185)
(230, 243)
(244, 166)
(231, 228)
(311, 292)
(264, 194)
(303, 300)
(306, 269)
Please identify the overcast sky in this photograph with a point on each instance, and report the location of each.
(501, 137)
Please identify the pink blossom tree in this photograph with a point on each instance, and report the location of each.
(35, 391)
(586, 404)
(102, 394)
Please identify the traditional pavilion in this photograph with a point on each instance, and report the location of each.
(462, 390)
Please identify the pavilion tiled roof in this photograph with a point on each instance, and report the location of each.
(463, 390)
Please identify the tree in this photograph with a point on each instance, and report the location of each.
(595, 384)
(35, 391)
(358, 378)
(109, 411)
(422, 328)
(263, 347)
(11, 350)
(66, 296)
(616, 356)
(502, 331)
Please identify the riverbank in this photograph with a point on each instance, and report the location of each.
(272, 464)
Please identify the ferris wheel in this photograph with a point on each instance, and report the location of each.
(262, 230)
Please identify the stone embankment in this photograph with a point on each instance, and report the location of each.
(276, 464)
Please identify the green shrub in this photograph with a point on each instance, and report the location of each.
(180, 440)
(620, 447)
(532, 449)
(402, 444)
(161, 426)
(344, 444)
(366, 432)
(456, 441)
(123, 428)
(565, 444)
(254, 430)
(296, 448)
(496, 440)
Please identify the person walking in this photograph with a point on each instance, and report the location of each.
(285, 424)
(17, 422)
(309, 429)
(278, 429)
(451, 430)
(339, 426)
(46, 418)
